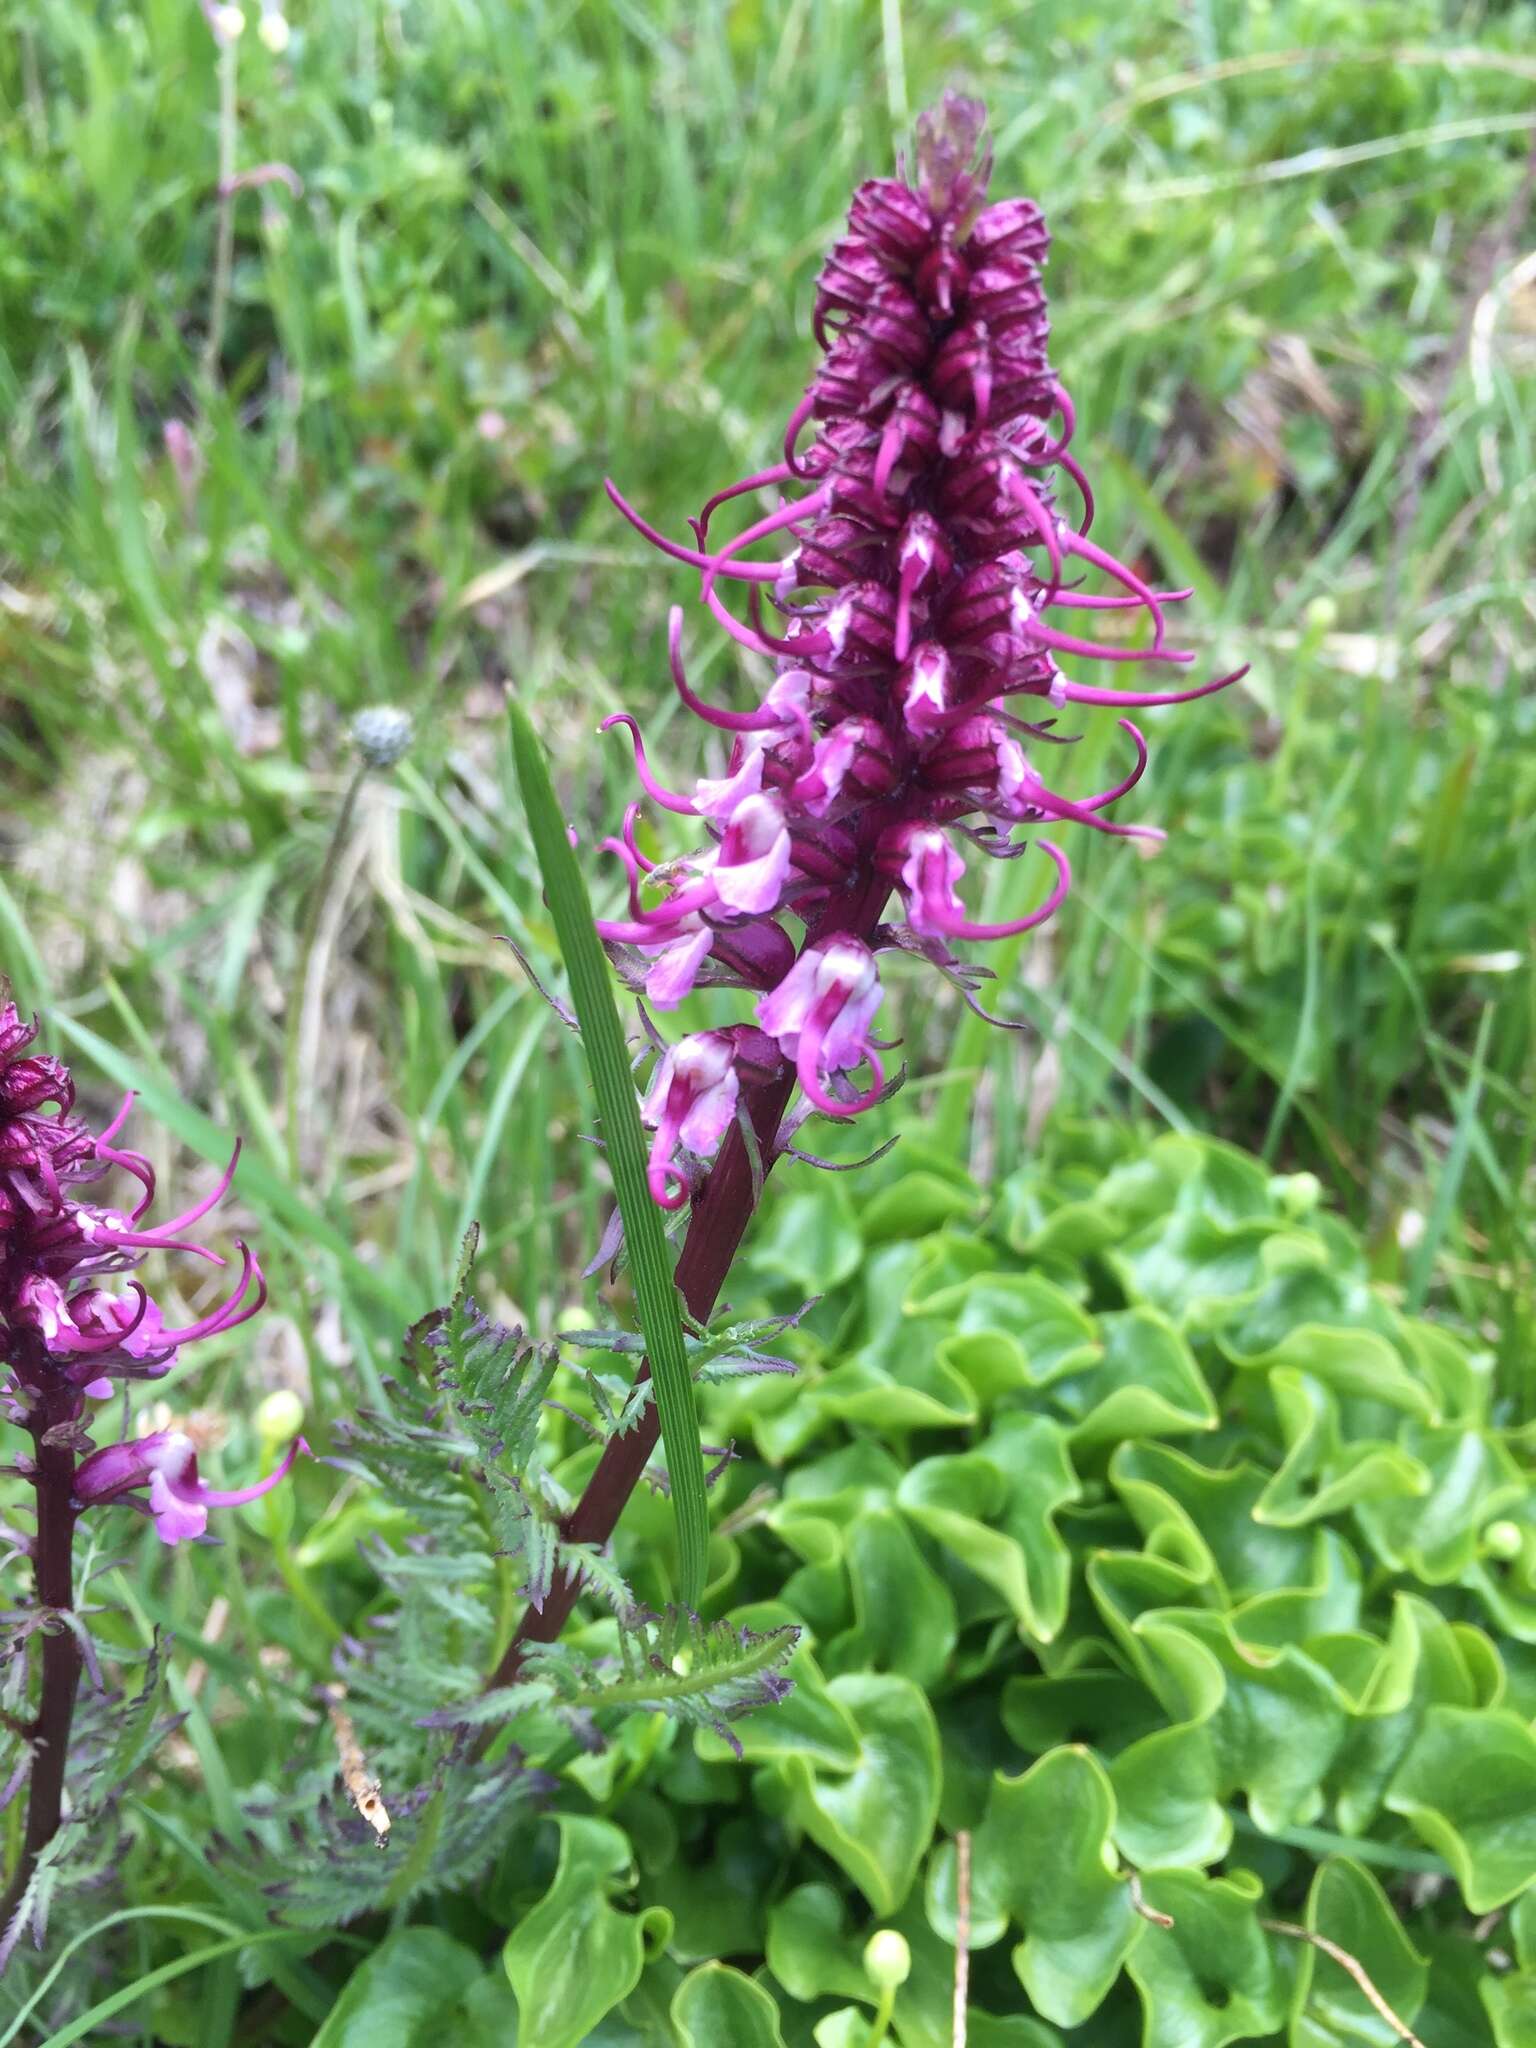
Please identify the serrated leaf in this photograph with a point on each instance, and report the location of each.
(607, 1057)
(703, 1674)
(445, 1830)
(810, 1724)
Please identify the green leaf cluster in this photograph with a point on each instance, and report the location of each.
(1134, 1532)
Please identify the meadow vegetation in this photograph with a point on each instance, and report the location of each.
(1203, 1516)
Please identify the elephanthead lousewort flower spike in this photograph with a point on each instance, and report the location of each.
(918, 647)
(71, 1324)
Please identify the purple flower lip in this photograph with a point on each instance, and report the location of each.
(925, 573)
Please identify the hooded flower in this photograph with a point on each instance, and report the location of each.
(820, 1015)
(918, 625)
(166, 1463)
(691, 1102)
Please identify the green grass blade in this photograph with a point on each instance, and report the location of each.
(1421, 1272)
(607, 1056)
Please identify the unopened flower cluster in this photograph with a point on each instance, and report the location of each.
(72, 1323)
(917, 655)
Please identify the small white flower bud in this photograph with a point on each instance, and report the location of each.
(228, 24)
(274, 31)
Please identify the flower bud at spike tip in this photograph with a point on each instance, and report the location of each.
(928, 581)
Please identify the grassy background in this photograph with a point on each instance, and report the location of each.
(537, 244)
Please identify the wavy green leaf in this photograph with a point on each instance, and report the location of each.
(574, 1956)
(406, 1994)
(1468, 1786)
(1044, 1856)
(1210, 1977)
(1348, 1907)
(715, 2005)
(875, 1821)
(995, 1509)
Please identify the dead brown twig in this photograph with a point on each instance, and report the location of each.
(962, 1935)
(1352, 1967)
(362, 1789)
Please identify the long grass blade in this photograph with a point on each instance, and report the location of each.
(1443, 1208)
(607, 1056)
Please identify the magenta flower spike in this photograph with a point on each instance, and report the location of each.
(911, 620)
(67, 1330)
(914, 620)
(72, 1326)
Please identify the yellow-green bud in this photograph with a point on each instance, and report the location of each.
(887, 1959)
(280, 1417)
(1321, 615)
(1297, 1193)
(1503, 1540)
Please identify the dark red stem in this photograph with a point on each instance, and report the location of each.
(55, 1480)
(719, 1222)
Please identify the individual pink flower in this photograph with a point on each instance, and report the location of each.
(690, 1103)
(820, 1015)
(750, 869)
(166, 1462)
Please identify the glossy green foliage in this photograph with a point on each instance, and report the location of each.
(1133, 1531)
(1129, 1530)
